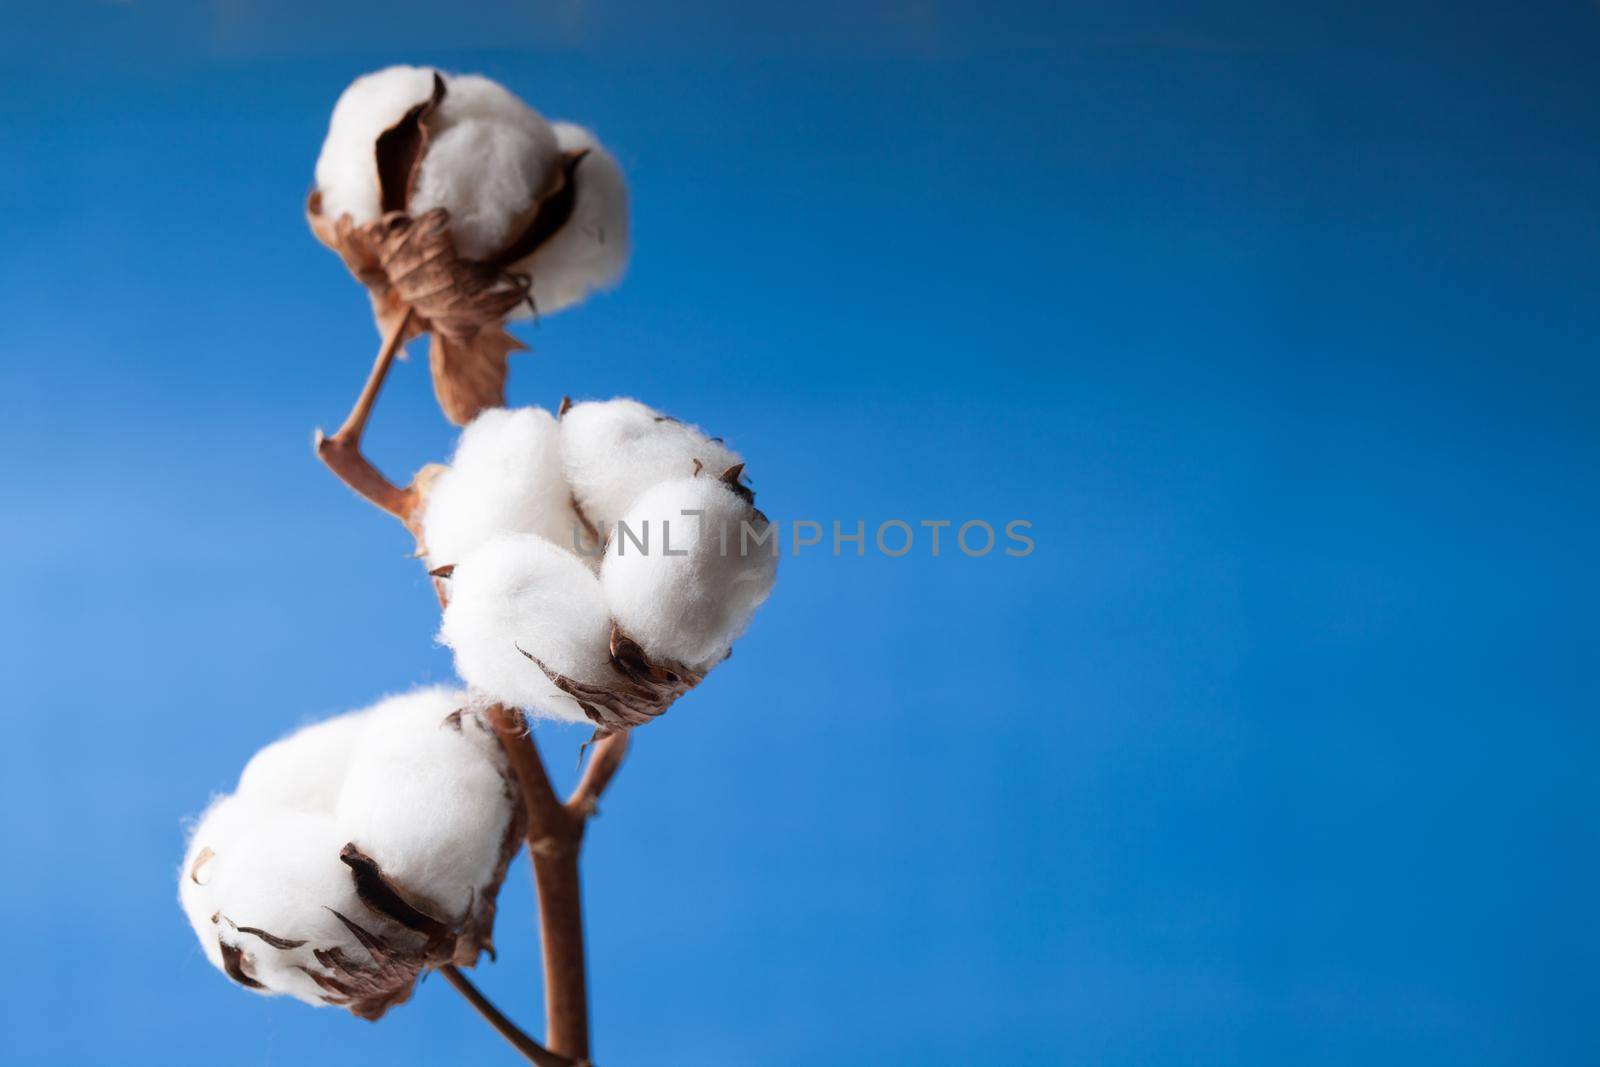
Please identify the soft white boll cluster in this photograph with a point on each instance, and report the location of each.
(680, 575)
(408, 787)
(491, 162)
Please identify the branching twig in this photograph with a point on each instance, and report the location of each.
(608, 753)
(531, 1050)
(342, 452)
(555, 834)
(555, 829)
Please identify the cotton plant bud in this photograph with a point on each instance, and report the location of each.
(459, 206)
(613, 450)
(519, 601)
(356, 853)
(686, 568)
(505, 478)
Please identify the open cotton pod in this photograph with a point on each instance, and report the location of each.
(459, 206)
(613, 450)
(686, 568)
(357, 853)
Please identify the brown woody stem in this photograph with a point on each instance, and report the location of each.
(531, 1050)
(341, 453)
(555, 829)
(555, 835)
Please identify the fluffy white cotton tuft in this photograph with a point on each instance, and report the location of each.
(506, 477)
(428, 799)
(613, 450)
(684, 572)
(256, 872)
(419, 788)
(591, 250)
(491, 159)
(521, 591)
(347, 169)
(304, 771)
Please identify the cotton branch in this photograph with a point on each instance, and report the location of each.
(530, 1049)
(341, 453)
(555, 828)
(555, 835)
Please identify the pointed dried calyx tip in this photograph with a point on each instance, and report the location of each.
(566, 405)
(642, 689)
(400, 148)
(730, 478)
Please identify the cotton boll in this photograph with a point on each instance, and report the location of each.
(613, 450)
(412, 802)
(258, 879)
(522, 592)
(591, 250)
(490, 160)
(282, 876)
(506, 477)
(700, 577)
(427, 797)
(346, 174)
(304, 771)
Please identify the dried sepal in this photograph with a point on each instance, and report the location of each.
(411, 264)
(470, 375)
(272, 939)
(368, 989)
(641, 691)
(400, 148)
(554, 211)
(233, 964)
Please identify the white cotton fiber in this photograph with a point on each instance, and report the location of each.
(432, 810)
(491, 159)
(506, 477)
(700, 577)
(275, 873)
(347, 169)
(613, 450)
(304, 771)
(423, 792)
(591, 250)
(522, 591)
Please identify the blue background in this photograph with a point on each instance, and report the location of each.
(1279, 326)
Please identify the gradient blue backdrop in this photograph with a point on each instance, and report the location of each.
(1280, 327)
